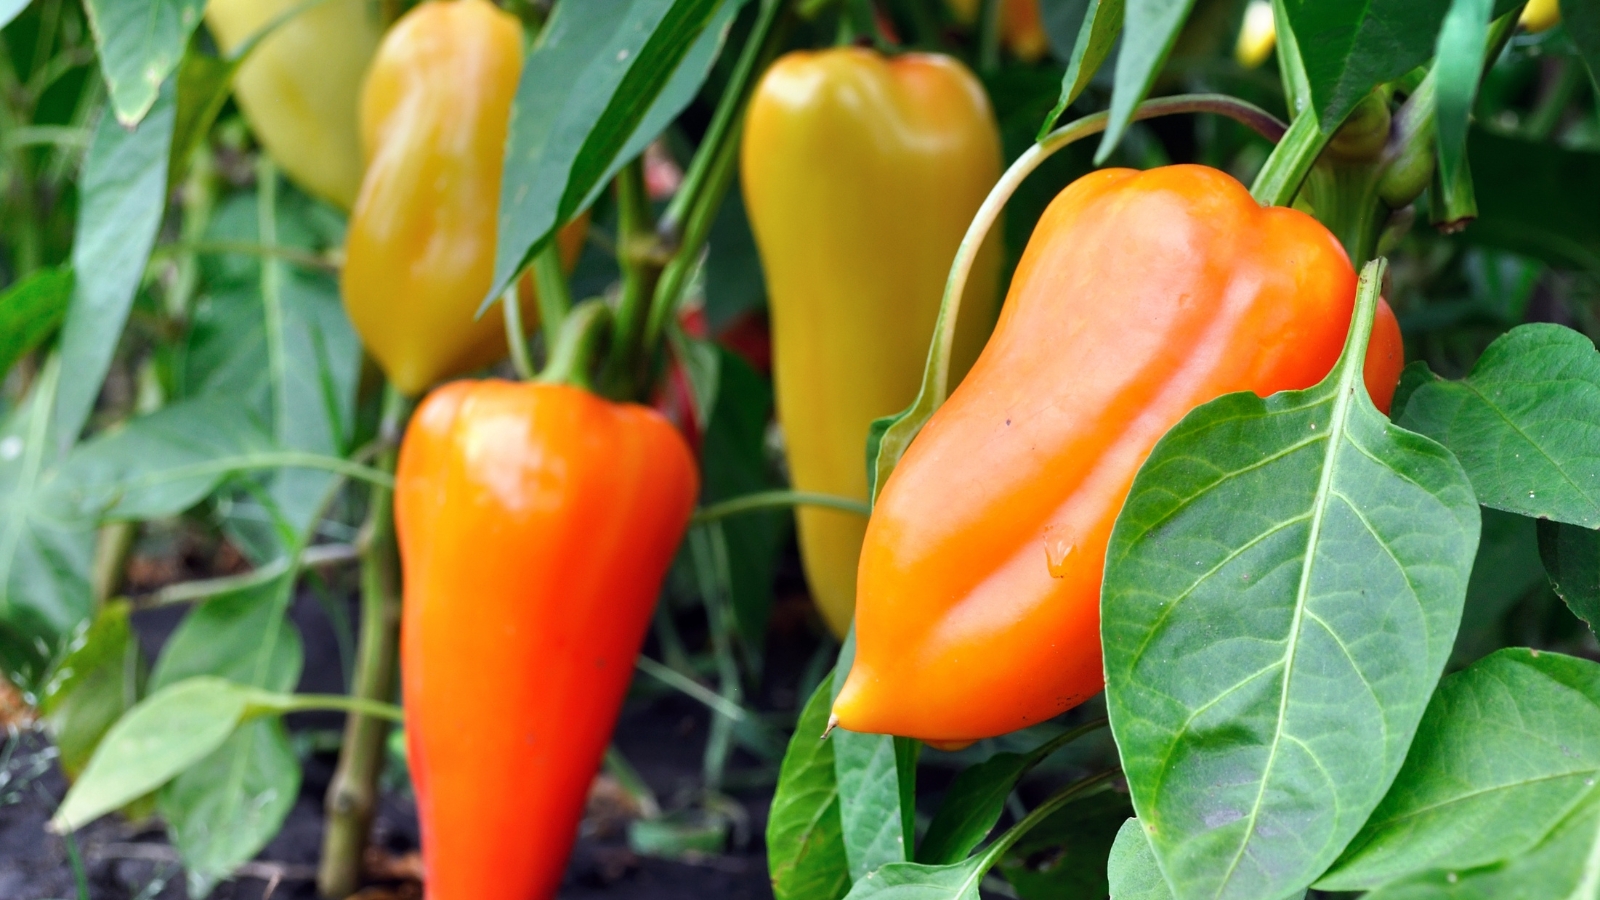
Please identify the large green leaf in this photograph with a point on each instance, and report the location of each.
(1131, 868)
(914, 881)
(226, 807)
(96, 683)
(163, 735)
(1571, 557)
(1536, 198)
(1067, 854)
(1525, 424)
(227, 637)
(1150, 29)
(1282, 590)
(1350, 48)
(122, 194)
(44, 562)
(30, 311)
(805, 838)
(877, 788)
(142, 470)
(1508, 750)
(140, 43)
(605, 80)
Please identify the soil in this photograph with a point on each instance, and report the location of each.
(662, 736)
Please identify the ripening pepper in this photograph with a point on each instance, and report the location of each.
(1258, 34)
(860, 176)
(1540, 15)
(299, 87)
(1140, 296)
(419, 256)
(536, 523)
(1020, 26)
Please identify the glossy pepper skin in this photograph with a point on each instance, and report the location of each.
(300, 86)
(1140, 296)
(419, 256)
(860, 177)
(535, 523)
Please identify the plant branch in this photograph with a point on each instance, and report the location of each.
(765, 500)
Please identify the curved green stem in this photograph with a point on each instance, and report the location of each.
(896, 435)
(277, 704)
(994, 851)
(569, 359)
(516, 338)
(777, 500)
(550, 283)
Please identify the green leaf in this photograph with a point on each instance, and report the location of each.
(122, 194)
(914, 881)
(876, 788)
(1150, 30)
(603, 83)
(1536, 199)
(1102, 24)
(163, 735)
(30, 311)
(1571, 557)
(1350, 48)
(226, 637)
(1506, 570)
(1066, 855)
(1131, 868)
(805, 838)
(701, 366)
(1525, 423)
(140, 43)
(225, 808)
(1282, 590)
(140, 471)
(1463, 39)
(1506, 751)
(44, 562)
(974, 801)
(97, 682)
(203, 86)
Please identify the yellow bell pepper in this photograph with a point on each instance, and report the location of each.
(1257, 35)
(298, 88)
(1540, 15)
(419, 256)
(861, 174)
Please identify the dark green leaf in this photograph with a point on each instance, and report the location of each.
(229, 636)
(1102, 24)
(805, 840)
(223, 809)
(1505, 571)
(156, 465)
(1282, 590)
(701, 365)
(1536, 199)
(1505, 753)
(163, 735)
(1150, 30)
(203, 85)
(1131, 868)
(1571, 557)
(30, 311)
(1066, 855)
(1525, 423)
(627, 71)
(44, 562)
(123, 192)
(140, 42)
(734, 280)
(98, 682)
(1350, 48)
(1463, 39)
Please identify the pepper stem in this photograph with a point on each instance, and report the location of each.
(516, 340)
(575, 346)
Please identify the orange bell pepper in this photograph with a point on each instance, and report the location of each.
(536, 523)
(420, 253)
(1140, 296)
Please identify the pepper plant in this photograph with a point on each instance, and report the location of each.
(1345, 645)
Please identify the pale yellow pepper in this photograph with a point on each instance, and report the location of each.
(1540, 15)
(861, 174)
(1257, 35)
(299, 88)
